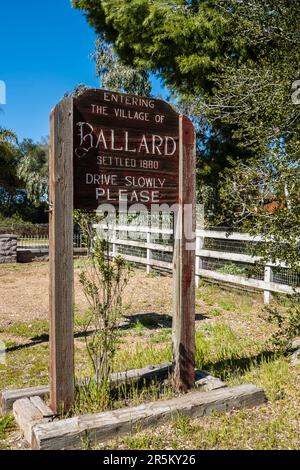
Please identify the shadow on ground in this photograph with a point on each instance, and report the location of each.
(237, 366)
(152, 321)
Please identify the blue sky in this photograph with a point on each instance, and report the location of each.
(44, 52)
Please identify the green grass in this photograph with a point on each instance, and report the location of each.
(80, 263)
(274, 376)
(94, 399)
(33, 330)
(141, 354)
(220, 350)
(231, 344)
(153, 274)
(214, 312)
(139, 328)
(25, 367)
(228, 304)
(6, 425)
(217, 347)
(229, 299)
(274, 425)
(163, 336)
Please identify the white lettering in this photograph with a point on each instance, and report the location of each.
(144, 144)
(173, 142)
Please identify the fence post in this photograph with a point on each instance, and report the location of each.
(114, 239)
(268, 278)
(199, 247)
(149, 251)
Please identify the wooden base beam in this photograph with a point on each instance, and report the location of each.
(30, 411)
(140, 376)
(9, 397)
(90, 430)
(145, 375)
(206, 382)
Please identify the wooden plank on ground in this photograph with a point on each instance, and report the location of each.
(42, 407)
(206, 382)
(74, 433)
(145, 374)
(27, 415)
(8, 397)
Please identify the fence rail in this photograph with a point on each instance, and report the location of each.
(220, 257)
(42, 242)
(227, 262)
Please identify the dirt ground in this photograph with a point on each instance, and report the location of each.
(24, 293)
(24, 297)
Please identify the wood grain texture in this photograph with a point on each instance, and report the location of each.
(112, 116)
(183, 335)
(143, 375)
(61, 257)
(26, 415)
(42, 407)
(78, 432)
(8, 397)
(206, 382)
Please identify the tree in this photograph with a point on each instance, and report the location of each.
(8, 159)
(255, 96)
(33, 169)
(231, 63)
(217, 54)
(9, 181)
(116, 76)
(262, 197)
(184, 42)
(23, 179)
(6, 136)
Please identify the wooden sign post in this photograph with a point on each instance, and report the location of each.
(61, 257)
(109, 149)
(184, 261)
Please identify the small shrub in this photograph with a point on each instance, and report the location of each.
(103, 280)
(288, 323)
(233, 269)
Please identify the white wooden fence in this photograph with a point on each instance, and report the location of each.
(120, 238)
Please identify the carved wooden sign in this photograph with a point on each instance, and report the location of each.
(126, 149)
(122, 150)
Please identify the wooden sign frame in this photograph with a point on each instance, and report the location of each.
(184, 260)
(61, 303)
(61, 196)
